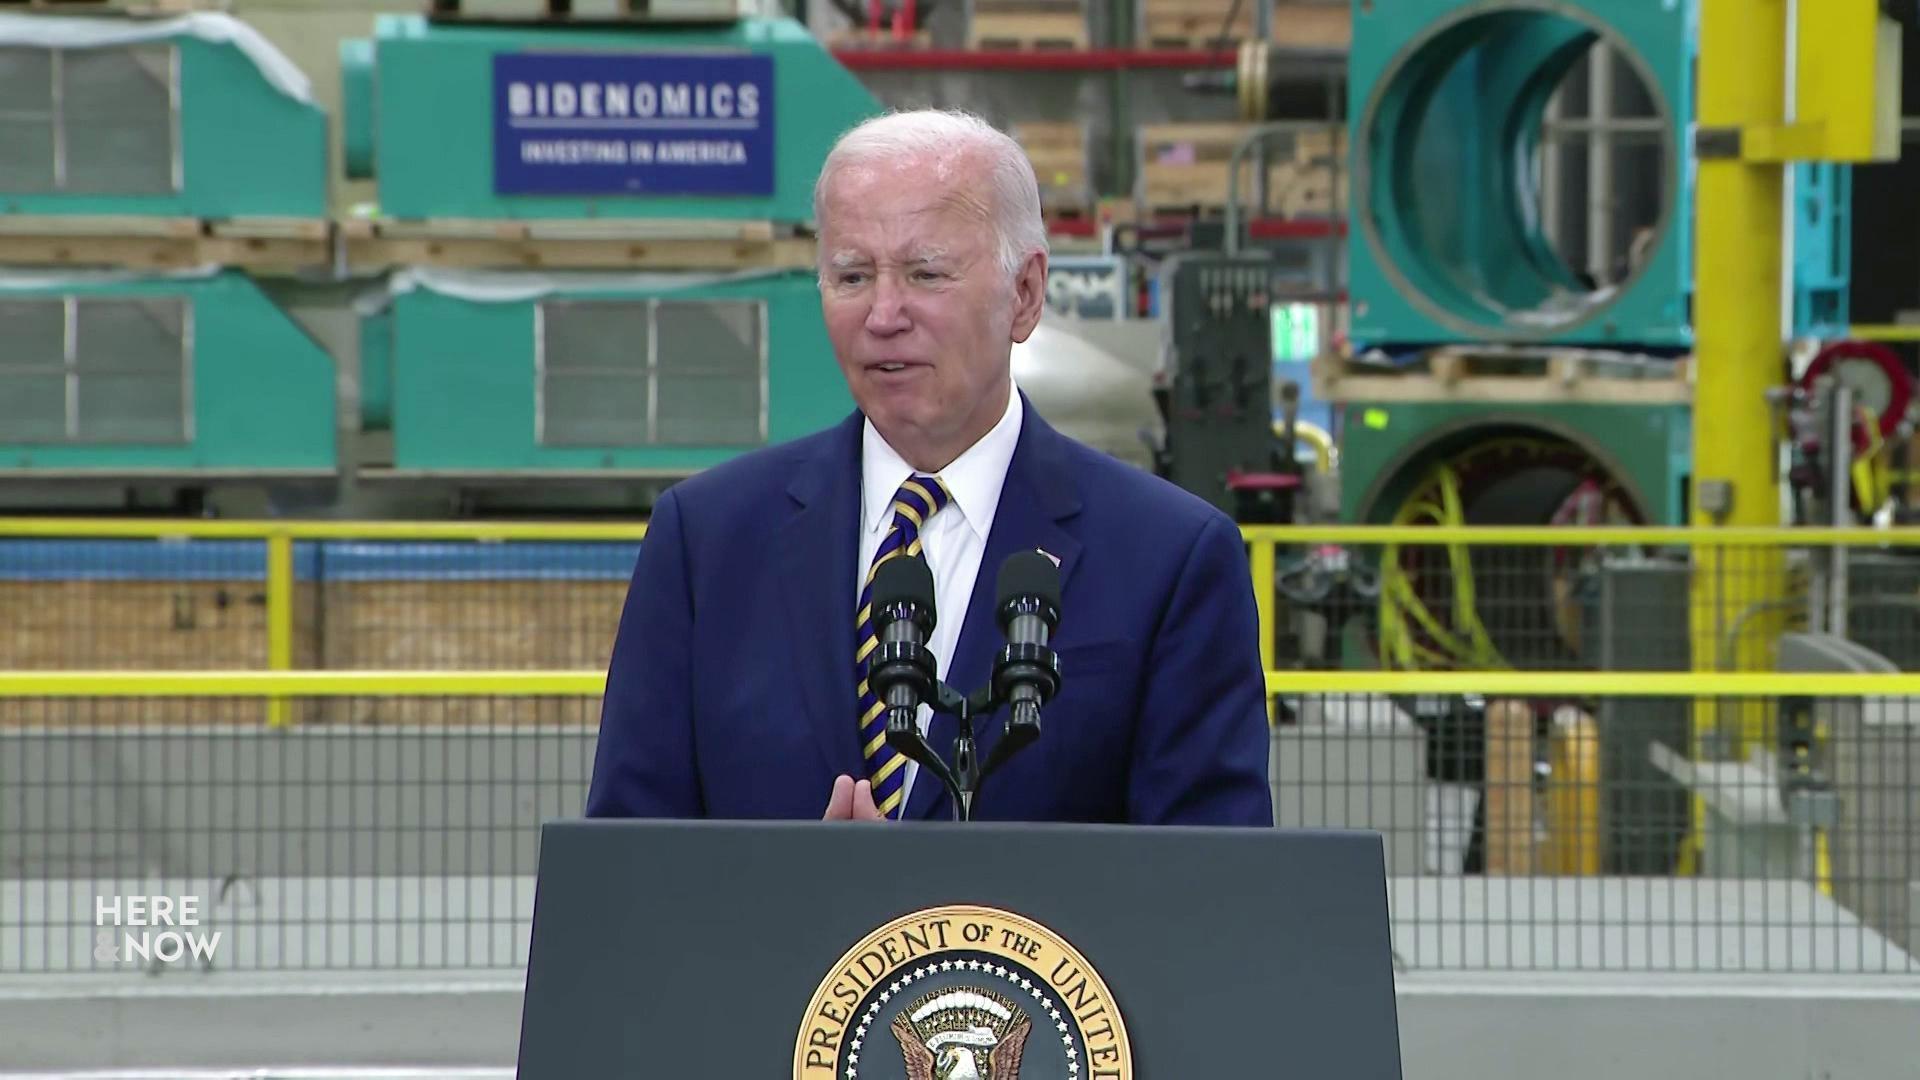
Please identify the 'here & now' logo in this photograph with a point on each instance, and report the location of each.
(133, 929)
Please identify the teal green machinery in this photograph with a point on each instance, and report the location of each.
(1451, 240)
(1516, 464)
(1455, 245)
(193, 379)
(1450, 99)
(614, 377)
(493, 379)
(418, 114)
(161, 122)
(120, 385)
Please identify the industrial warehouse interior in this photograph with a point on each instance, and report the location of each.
(417, 434)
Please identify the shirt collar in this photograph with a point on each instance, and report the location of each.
(974, 478)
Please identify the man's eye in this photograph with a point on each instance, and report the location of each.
(927, 275)
(852, 277)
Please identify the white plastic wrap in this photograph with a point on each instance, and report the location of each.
(65, 32)
(512, 287)
(16, 279)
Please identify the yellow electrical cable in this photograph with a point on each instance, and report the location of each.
(1466, 643)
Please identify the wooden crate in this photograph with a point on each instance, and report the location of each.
(1320, 145)
(1314, 190)
(1027, 24)
(1058, 151)
(1503, 376)
(1313, 26)
(1193, 24)
(864, 38)
(1183, 166)
(1202, 24)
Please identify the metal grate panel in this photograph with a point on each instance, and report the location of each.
(26, 120)
(117, 120)
(95, 371)
(651, 372)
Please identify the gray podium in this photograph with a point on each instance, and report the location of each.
(954, 952)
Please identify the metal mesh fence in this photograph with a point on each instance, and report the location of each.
(1519, 833)
(371, 833)
(1536, 606)
(1618, 834)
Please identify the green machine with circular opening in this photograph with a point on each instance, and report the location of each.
(1453, 242)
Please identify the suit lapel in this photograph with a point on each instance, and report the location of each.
(1038, 495)
(817, 547)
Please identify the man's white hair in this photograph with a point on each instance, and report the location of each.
(1013, 192)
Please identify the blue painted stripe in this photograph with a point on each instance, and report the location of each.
(246, 560)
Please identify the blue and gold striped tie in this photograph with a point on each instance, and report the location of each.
(918, 499)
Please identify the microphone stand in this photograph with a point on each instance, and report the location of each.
(968, 772)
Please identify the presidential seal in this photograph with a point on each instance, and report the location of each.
(962, 993)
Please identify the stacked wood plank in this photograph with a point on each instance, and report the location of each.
(1183, 167)
(1206, 24)
(1027, 24)
(1059, 155)
(1318, 26)
(1313, 181)
(1493, 374)
(1194, 24)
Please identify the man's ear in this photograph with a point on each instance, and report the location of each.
(1029, 295)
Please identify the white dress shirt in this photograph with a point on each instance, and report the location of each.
(953, 541)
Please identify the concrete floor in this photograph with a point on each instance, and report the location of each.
(1453, 1026)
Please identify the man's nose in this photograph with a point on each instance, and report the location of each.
(888, 315)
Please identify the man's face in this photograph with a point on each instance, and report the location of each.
(921, 316)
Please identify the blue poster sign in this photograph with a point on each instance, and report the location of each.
(632, 124)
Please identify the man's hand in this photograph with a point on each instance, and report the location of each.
(852, 801)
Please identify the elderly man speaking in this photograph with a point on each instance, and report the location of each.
(736, 688)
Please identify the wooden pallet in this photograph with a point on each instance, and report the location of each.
(863, 38)
(1184, 166)
(1194, 24)
(1058, 151)
(1202, 24)
(1319, 27)
(1027, 24)
(264, 245)
(1521, 376)
(551, 12)
(601, 244)
(1296, 190)
(118, 7)
(1320, 145)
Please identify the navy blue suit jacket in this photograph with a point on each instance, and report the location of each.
(731, 690)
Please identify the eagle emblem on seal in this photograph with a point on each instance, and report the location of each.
(962, 1033)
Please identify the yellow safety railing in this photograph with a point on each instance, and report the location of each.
(280, 684)
(1539, 684)
(280, 536)
(1885, 332)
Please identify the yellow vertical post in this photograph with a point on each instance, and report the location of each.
(1262, 556)
(279, 619)
(1738, 338)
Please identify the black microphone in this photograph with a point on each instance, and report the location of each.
(1027, 671)
(903, 670)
